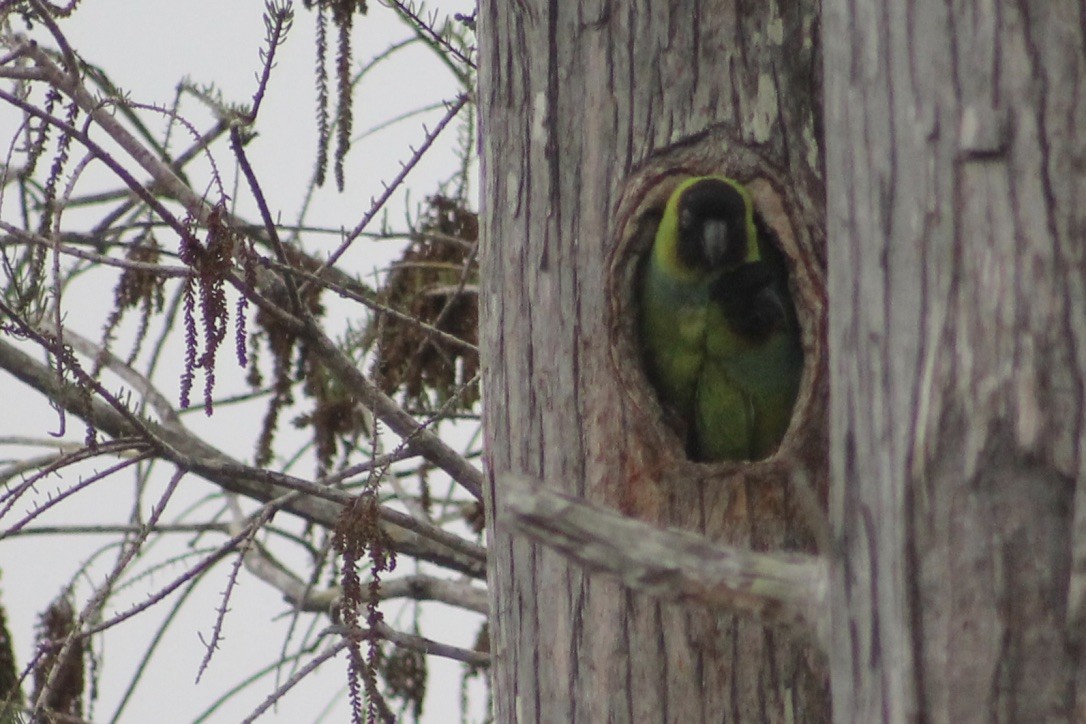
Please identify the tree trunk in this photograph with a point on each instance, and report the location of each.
(583, 106)
(956, 170)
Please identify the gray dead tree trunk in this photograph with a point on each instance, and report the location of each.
(574, 98)
(956, 174)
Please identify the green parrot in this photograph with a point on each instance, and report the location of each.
(718, 326)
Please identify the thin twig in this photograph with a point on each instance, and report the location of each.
(379, 202)
(160, 270)
(417, 643)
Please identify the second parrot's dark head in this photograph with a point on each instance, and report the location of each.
(715, 224)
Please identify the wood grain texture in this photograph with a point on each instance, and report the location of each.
(584, 109)
(776, 587)
(956, 166)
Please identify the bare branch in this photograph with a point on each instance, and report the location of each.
(293, 681)
(71, 110)
(192, 453)
(409, 641)
(426, 30)
(782, 587)
(418, 643)
(418, 437)
(417, 587)
(403, 424)
(28, 238)
(428, 588)
(367, 301)
(130, 375)
(453, 109)
(163, 175)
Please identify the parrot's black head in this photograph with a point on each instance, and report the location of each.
(712, 225)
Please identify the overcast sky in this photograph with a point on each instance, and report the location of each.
(147, 47)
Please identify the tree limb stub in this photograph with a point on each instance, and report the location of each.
(775, 588)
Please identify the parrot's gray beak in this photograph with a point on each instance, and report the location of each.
(714, 234)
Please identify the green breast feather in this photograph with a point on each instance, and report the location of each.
(718, 326)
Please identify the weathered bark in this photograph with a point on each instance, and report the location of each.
(575, 97)
(956, 172)
(673, 565)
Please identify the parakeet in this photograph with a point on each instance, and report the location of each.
(718, 326)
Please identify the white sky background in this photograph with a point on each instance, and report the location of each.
(147, 47)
